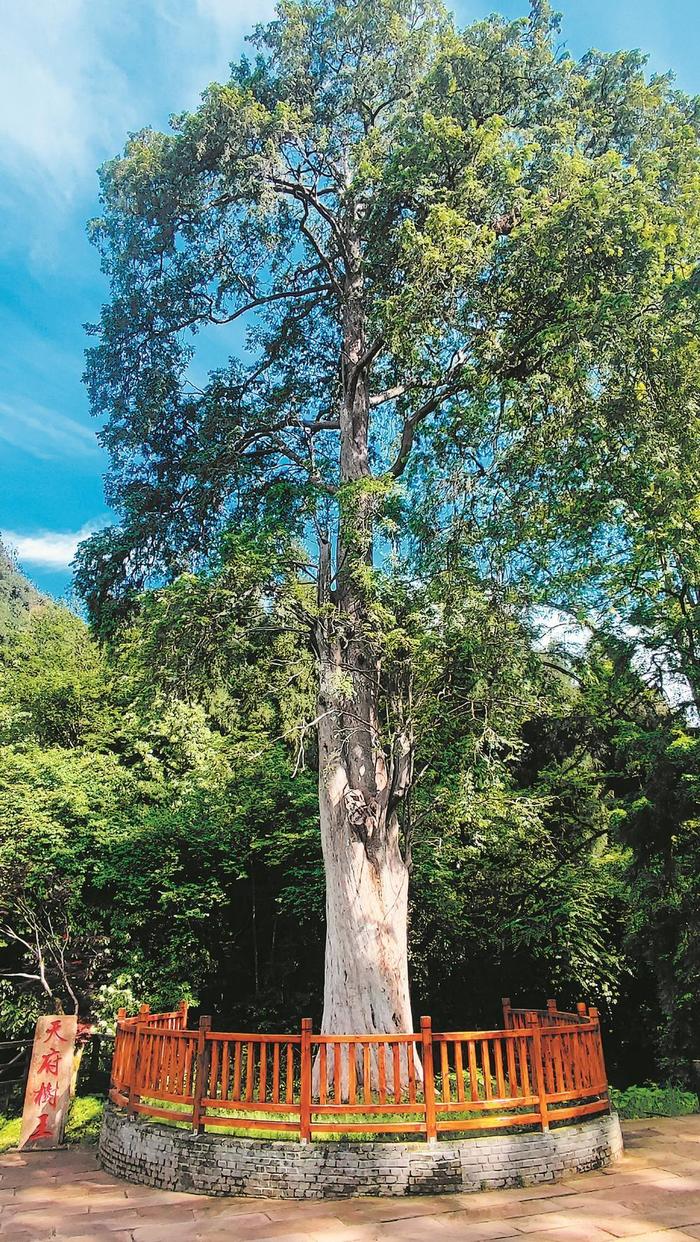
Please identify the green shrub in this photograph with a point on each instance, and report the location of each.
(652, 1100)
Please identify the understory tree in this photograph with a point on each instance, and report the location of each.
(440, 244)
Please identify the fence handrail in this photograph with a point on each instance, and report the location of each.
(544, 1066)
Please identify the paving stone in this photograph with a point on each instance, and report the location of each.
(578, 1233)
(665, 1235)
(649, 1197)
(98, 1234)
(424, 1229)
(84, 1228)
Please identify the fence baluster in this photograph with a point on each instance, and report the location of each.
(444, 1072)
(381, 1062)
(224, 1070)
(237, 1059)
(352, 1073)
(276, 1074)
(396, 1063)
(214, 1072)
(459, 1071)
(262, 1077)
(411, 1067)
(498, 1061)
(367, 1073)
(337, 1074)
(289, 1079)
(473, 1070)
(249, 1072)
(486, 1069)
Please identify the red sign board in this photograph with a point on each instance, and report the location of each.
(48, 1086)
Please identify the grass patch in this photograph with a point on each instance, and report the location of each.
(651, 1100)
(9, 1132)
(237, 1127)
(83, 1125)
(85, 1119)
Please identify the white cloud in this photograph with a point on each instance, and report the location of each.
(49, 549)
(77, 77)
(233, 18)
(44, 433)
(63, 101)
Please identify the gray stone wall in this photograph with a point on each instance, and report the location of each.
(211, 1164)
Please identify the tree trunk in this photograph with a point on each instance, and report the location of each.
(366, 971)
(366, 987)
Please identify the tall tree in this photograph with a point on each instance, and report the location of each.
(437, 240)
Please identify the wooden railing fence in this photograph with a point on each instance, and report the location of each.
(545, 1066)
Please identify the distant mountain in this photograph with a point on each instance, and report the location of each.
(18, 597)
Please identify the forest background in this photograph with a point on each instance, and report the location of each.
(159, 836)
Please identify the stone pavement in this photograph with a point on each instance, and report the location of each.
(652, 1195)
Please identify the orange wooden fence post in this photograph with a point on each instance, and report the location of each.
(507, 1020)
(140, 1031)
(538, 1066)
(117, 1055)
(581, 1011)
(426, 1035)
(201, 1074)
(594, 1016)
(305, 1083)
(551, 1006)
(182, 1012)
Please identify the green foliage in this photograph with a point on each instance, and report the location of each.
(652, 1100)
(54, 683)
(17, 596)
(552, 830)
(153, 838)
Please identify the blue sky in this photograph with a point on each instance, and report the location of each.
(77, 75)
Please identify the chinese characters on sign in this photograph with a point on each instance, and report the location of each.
(48, 1085)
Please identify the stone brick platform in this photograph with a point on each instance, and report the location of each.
(651, 1195)
(160, 1155)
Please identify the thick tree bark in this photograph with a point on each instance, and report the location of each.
(366, 972)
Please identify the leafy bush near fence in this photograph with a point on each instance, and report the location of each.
(652, 1100)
